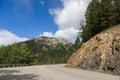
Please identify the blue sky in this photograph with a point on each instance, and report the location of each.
(21, 20)
(27, 19)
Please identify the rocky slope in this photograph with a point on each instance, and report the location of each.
(101, 53)
(50, 40)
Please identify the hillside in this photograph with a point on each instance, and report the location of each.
(41, 50)
(100, 53)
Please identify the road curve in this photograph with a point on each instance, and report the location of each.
(52, 72)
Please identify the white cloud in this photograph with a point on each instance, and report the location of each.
(42, 2)
(68, 34)
(68, 18)
(71, 14)
(7, 37)
(47, 34)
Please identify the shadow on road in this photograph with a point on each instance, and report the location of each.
(15, 75)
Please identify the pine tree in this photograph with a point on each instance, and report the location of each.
(109, 14)
(92, 20)
(100, 15)
(117, 8)
(77, 43)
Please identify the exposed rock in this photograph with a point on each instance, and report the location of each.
(50, 40)
(101, 53)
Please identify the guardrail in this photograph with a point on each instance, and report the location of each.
(13, 65)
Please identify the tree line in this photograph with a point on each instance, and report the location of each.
(100, 15)
(33, 53)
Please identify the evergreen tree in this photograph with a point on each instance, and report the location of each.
(92, 20)
(117, 8)
(80, 33)
(77, 43)
(108, 15)
(100, 15)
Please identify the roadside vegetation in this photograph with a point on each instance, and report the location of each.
(100, 15)
(31, 52)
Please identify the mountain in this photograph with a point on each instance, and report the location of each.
(41, 50)
(50, 40)
(100, 53)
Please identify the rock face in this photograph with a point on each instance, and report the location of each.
(51, 40)
(101, 53)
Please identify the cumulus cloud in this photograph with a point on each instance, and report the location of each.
(68, 34)
(7, 37)
(47, 34)
(68, 18)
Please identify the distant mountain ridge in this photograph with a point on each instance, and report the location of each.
(41, 50)
(50, 40)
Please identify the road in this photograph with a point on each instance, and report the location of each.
(52, 72)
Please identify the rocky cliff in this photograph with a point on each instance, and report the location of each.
(101, 53)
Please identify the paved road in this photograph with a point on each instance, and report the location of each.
(52, 72)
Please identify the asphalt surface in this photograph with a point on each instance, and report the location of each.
(52, 72)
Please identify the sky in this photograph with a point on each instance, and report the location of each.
(21, 20)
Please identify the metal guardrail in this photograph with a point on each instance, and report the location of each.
(13, 65)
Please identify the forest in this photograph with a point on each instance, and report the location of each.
(33, 53)
(100, 15)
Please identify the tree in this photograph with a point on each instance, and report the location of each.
(17, 53)
(80, 33)
(77, 43)
(92, 20)
(109, 15)
(100, 15)
(117, 8)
